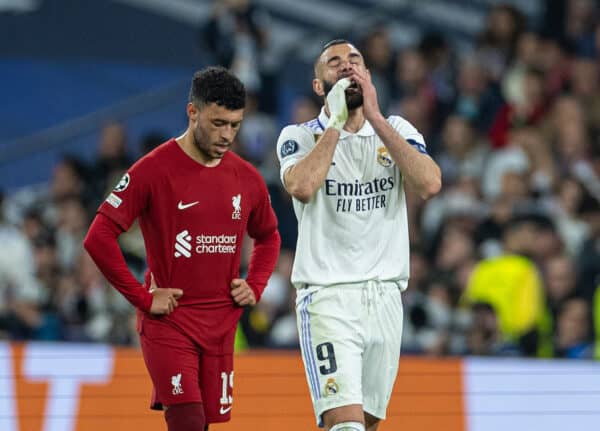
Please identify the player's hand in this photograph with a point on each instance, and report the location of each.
(241, 292)
(164, 301)
(370, 104)
(336, 102)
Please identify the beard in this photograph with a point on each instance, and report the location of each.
(202, 148)
(354, 98)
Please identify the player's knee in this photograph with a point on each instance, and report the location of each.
(348, 426)
(185, 417)
(371, 422)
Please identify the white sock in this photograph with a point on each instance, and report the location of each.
(348, 426)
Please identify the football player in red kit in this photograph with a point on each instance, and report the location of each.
(195, 200)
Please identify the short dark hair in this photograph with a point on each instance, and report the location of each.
(218, 85)
(334, 42)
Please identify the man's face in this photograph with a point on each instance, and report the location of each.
(214, 128)
(337, 62)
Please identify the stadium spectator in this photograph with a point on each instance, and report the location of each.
(511, 284)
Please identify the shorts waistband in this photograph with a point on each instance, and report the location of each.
(357, 285)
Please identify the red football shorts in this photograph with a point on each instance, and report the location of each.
(182, 373)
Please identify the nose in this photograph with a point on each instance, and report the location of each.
(345, 68)
(345, 65)
(227, 133)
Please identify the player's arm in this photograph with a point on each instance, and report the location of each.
(419, 170)
(130, 197)
(304, 178)
(101, 242)
(262, 227)
(265, 253)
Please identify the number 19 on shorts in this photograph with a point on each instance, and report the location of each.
(227, 388)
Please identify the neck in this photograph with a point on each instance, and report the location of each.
(356, 120)
(187, 144)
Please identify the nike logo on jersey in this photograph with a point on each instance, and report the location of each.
(183, 206)
(224, 410)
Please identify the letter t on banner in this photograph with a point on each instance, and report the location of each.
(66, 367)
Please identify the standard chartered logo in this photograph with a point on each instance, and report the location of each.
(204, 244)
(183, 246)
(216, 244)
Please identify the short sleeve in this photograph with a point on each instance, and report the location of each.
(408, 132)
(130, 196)
(293, 144)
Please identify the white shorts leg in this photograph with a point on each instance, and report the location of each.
(382, 352)
(331, 340)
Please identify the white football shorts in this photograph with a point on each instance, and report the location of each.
(350, 338)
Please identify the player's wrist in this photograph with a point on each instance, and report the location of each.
(146, 304)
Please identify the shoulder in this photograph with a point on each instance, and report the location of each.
(297, 138)
(155, 158)
(298, 132)
(400, 124)
(244, 168)
(408, 132)
(313, 126)
(249, 175)
(241, 164)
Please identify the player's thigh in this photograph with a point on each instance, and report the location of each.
(382, 354)
(172, 362)
(216, 384)
(331, 341)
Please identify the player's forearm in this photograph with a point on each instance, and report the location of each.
(419, 170)
(262, 262)
(101, 244)
(306, 177)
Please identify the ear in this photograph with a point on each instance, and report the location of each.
(192, 111)
(318, 87)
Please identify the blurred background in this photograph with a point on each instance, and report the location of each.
(504, 261)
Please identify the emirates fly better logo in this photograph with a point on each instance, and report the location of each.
(183, 246)
(204, 244)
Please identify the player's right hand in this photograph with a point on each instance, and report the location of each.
(164, 301)
(336, 102)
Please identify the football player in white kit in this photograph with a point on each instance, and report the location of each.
(346, 171)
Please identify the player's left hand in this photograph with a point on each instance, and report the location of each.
(241, 293)
(370, 104)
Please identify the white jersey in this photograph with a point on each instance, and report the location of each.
(355, 227)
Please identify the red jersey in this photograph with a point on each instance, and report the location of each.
(193, 219)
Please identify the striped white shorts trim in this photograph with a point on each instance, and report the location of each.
(350, 341)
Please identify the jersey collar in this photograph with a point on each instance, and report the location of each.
(366, 130)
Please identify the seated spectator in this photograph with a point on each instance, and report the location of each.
(484, 337)
(573, 330)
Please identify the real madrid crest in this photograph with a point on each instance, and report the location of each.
(383, 157)
(331, 387)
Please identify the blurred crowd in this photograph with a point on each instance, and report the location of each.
(504, 261)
